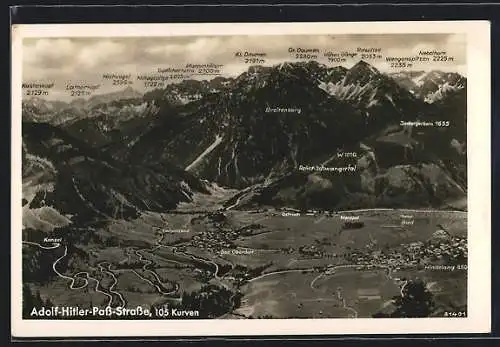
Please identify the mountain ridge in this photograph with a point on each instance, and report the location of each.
(262, 125)
(89, 185)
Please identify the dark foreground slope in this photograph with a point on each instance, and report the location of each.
(64, 174)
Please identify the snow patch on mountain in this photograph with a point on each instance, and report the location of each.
(344, 92)
(388, 97)
(441, 92)
(429, 86)
(420, 79)
(217, 141)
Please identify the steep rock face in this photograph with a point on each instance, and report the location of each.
(430, 86)
(257, 130)
(403, 166)
(83, 184)
(269, 121)
(274, 119)
(120, 122)
(379, 97)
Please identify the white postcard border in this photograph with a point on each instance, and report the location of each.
(479, 201)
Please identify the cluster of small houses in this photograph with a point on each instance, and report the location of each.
(409, 255)
(440, 245)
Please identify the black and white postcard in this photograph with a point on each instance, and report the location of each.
(250, 179)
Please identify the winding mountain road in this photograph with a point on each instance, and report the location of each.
(211, 262)
(77, 275)
(115, 281)
(242, 195)
(144, 268)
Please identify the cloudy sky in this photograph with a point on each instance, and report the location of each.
(86, 59)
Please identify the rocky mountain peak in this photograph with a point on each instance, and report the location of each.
(361, 73)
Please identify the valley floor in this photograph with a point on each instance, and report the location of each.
(279, 263)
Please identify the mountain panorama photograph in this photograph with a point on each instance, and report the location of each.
(244, 177)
